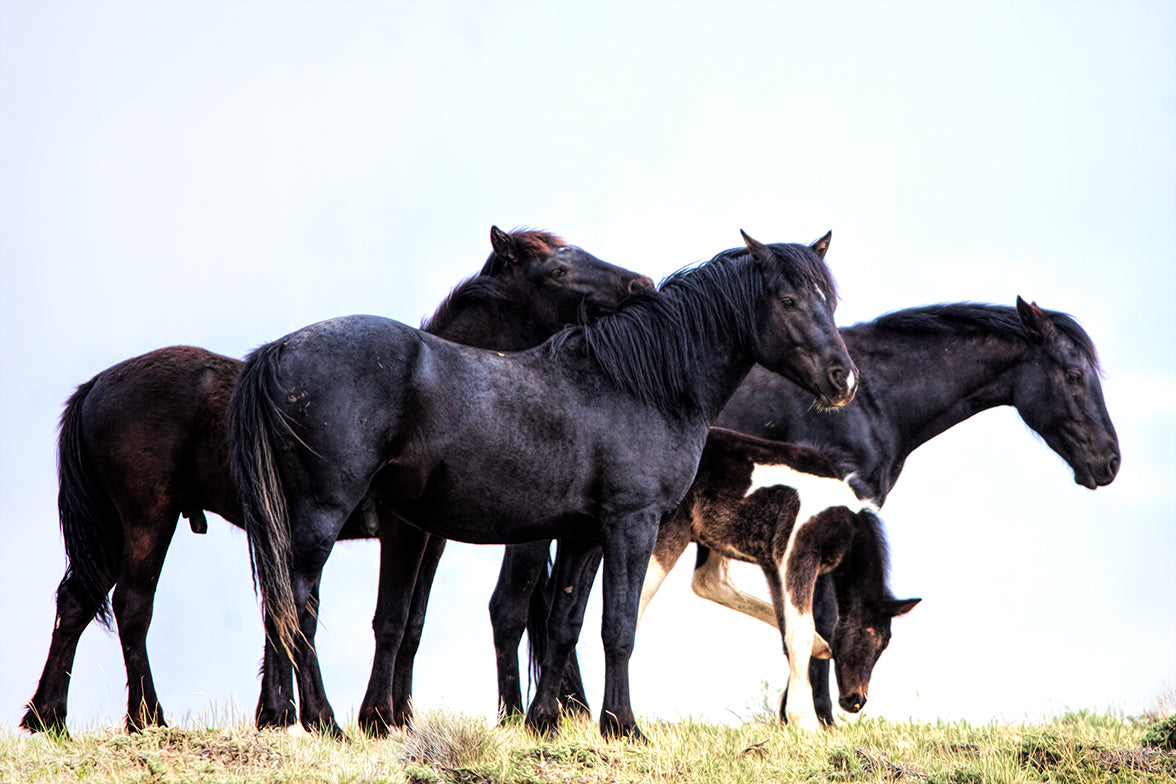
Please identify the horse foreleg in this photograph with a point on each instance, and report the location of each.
(144, 550)
(401, 549)
(825, 616)
(798, 638)
(575, 568)
(411, 642)
(712, 580)
(47, 708)
(519, 600)
(628, 542)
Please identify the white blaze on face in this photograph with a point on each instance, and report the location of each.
(821, 294)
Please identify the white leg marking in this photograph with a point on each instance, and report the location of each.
(713, 581)
(655, 574)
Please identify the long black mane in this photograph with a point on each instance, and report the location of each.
(647, 348)
(487, 285)
(970, 318)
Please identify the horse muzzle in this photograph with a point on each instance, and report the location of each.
(852, 703)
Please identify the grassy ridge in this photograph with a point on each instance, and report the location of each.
(447, 748)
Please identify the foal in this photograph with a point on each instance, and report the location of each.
(787, 509)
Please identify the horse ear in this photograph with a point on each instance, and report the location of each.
(821, 246)
(759, 251)
(503, 244)
(1036, 323)
(901, 606)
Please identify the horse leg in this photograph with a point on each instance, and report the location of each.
(47, 707)
(575, 567)
(406, 656)
(627, 542)
(145, 548)
(712, 580)
(518, 586)
(672, 537)
(825, 615)
(401, 549)
(798, 633)
(275, 706)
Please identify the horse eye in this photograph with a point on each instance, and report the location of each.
(558, 272)
(788, 302)
(1074, 376)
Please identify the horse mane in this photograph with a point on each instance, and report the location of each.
(973, 318)
(486, 286)
(644, 348)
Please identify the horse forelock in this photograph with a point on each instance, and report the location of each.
(805, 268)
(650, 345)
(971, 318)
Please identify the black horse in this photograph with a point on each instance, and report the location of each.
(144, 442)
(923, 370)
(590, 438)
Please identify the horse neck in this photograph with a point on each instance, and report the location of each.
(665, 352)
(923, 384)
(860, 577)
(492, 324)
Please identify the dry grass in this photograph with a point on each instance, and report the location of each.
(469, 750)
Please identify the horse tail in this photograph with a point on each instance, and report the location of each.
(90, 523)
(253, 422)
(541, 599)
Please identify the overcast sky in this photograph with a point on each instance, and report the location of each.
(221, 174)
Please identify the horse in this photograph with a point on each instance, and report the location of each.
(459, 442)
(924, 370)
(788, 509)
(144, 441)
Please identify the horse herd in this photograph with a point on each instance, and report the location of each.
(552, 396)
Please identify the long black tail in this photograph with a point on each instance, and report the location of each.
(540, 605)
(254, 420)
(90, 524)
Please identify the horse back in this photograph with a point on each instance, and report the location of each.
(154, 428)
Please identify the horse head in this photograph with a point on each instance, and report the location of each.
(1059, 395)
(858, 640)
(797, 336)
(561, 284)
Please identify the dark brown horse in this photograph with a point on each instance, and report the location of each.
(144, 442)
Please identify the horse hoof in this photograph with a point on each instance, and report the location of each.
(325, 727)
(612, 729)
(542, 725)
(48, 721)
(374, 725)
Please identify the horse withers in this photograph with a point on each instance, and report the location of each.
(462, 442)
(789, 510)
(143, 442)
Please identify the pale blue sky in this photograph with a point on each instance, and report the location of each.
(220, 174)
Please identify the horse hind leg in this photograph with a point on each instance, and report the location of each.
(518, 588)
(144, 550)
(46, 710)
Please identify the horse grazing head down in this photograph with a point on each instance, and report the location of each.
(1059, 395)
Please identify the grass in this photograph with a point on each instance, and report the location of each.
(448, 748)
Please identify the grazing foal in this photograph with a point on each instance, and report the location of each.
(787, 509)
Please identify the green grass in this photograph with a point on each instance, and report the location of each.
(1078, 747)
